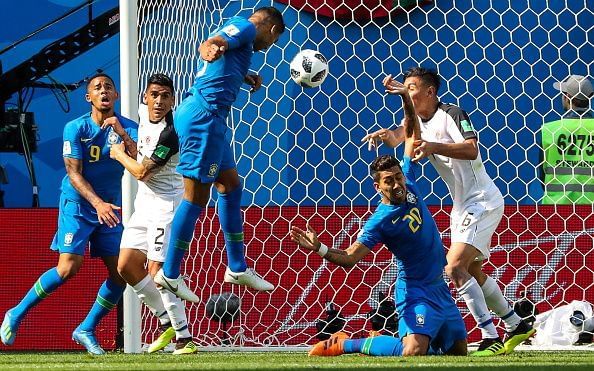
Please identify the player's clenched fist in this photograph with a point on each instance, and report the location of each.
(255, 81)
(212, 49)
(115, 124)
(117, 150)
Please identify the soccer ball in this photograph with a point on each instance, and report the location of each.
(309, 68)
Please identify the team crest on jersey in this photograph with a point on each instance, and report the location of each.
(420, 320)
(68, 238)
(113, 138)
(213, 170)
(411, 198)
(147, 140)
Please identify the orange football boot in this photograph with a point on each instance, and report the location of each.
(331, 347)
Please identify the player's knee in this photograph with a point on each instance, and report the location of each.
(67, 270)
(457, 273)
(196, 192)
(414, 350)
(123, 269)
(233, 187)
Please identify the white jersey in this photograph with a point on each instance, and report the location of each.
(160, 143)
(467, 180)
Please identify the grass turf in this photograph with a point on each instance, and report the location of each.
(557, 361)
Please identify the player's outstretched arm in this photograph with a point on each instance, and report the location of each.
(345, 258)
(467, 150)
(142, 171)
(411, 126)
(391, 138)
(213, 48)
(105, 210)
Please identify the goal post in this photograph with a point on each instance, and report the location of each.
(300, 157)
(129, 107)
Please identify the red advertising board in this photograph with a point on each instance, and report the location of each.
(543, 253)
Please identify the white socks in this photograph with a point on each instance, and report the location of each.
(147, 292)
(475, 301)
(499, 304)
(177, 313)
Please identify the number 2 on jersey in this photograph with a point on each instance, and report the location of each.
(414, 219)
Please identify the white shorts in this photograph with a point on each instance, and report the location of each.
(475, 226)
(149, 227)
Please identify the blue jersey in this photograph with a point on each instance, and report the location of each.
(409, 232)
(84, 140)
(219, 82)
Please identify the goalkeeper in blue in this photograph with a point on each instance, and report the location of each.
(206, 156)
(91, 195)
(429, 321)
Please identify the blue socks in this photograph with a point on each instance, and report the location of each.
(108, 296)
(232, 226)
(182, 230)
(376, 346)
(45, 285)
(184, 223)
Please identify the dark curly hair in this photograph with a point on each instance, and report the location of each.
(382, 163)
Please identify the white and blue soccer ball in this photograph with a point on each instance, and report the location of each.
(309, 68)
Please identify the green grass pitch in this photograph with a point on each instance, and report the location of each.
(553, 361)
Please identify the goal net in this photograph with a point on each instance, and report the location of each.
(300, 157)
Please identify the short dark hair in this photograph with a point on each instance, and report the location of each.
(273, 15)
(429, 76)
(382, 163)
(160, 79)
(99, 74)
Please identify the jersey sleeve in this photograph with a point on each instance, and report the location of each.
(237, 32)
(71, 145)
(167, 146)
(462, 122)
(369, 234)
(133, 132)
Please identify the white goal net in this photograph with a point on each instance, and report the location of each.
(300, 156)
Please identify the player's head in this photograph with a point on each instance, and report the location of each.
(269, 26)
(159, 96)
(576, 92)
(101, 93)
(423, 85)
(388, 179)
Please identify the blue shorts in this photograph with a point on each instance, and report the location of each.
(431, 311)
(204, 140)
(78, 226)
